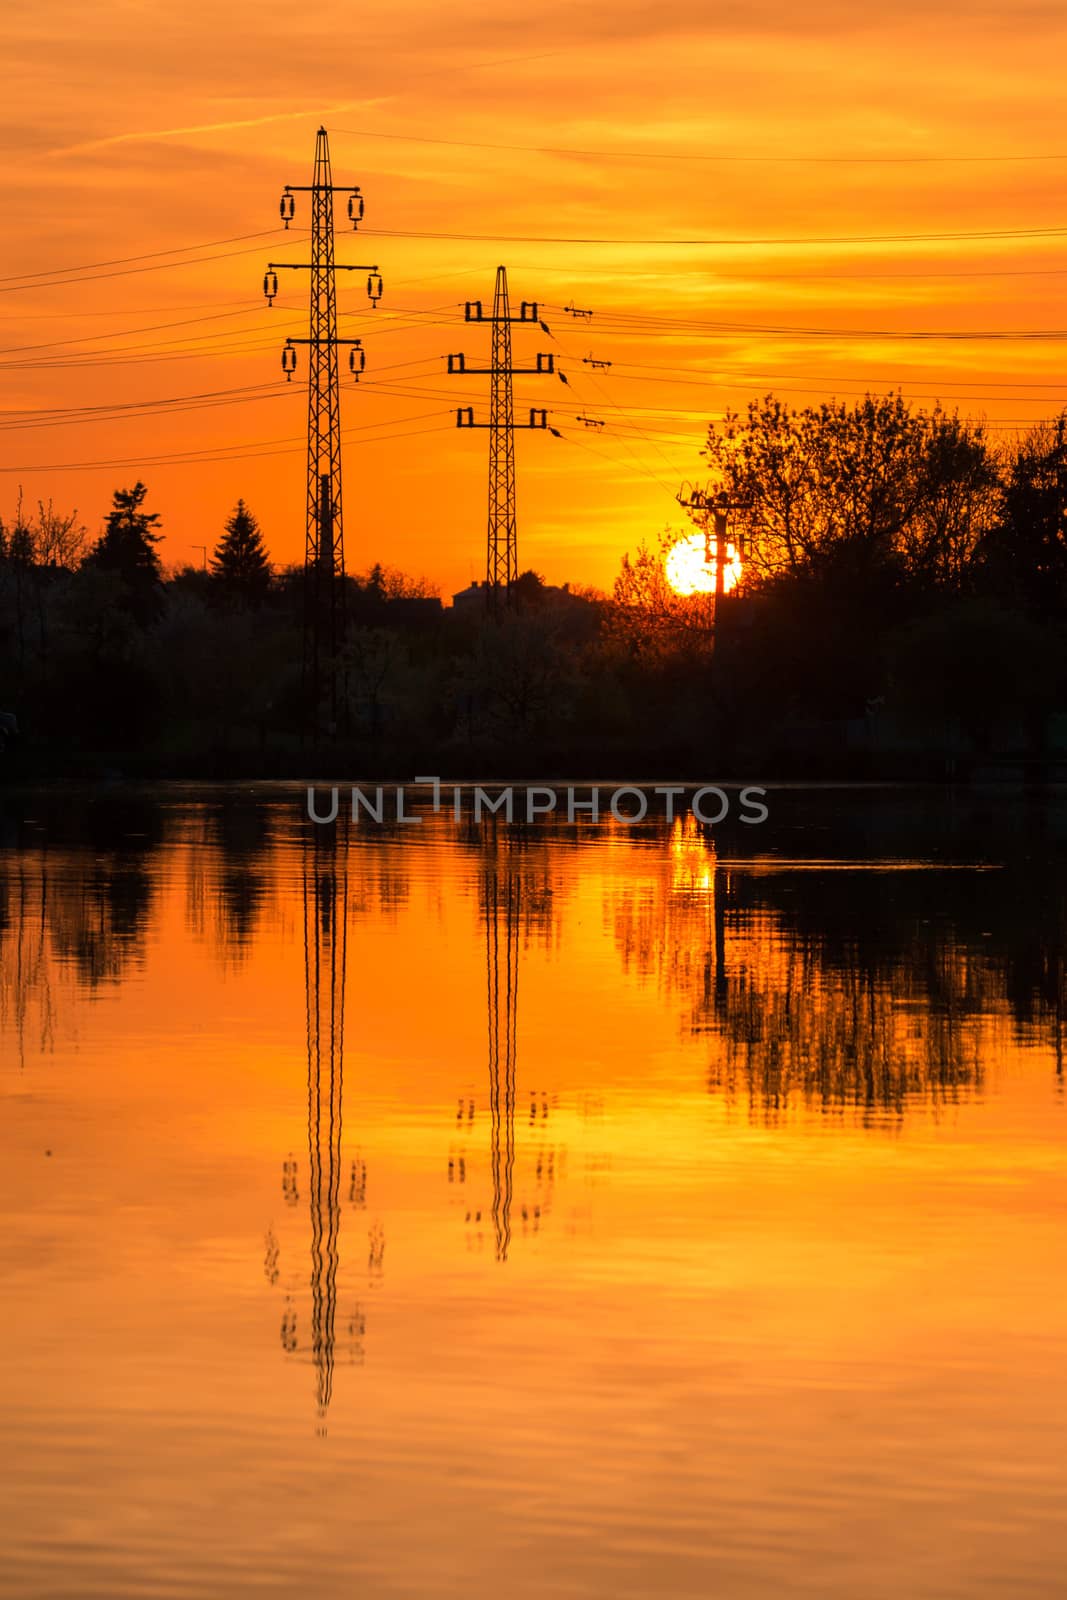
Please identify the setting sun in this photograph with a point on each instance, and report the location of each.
(690, 571)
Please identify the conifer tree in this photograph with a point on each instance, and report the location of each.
(240, 564)
(127, 548)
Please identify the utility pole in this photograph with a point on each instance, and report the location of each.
(324, 550)
(501, 567)
(711, 512)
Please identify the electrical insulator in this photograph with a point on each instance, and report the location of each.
(270, 286)
(464, 416)
(546, 363)
(374, 288)
(472, 311)
(538, 419)
(355, 208)
(289, 362)
(457, 363)
(287, 208)
(357, 360)
(528, 311)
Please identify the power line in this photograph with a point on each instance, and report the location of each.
(804, 377)
(642, 323)
(69, 416)
(589, 373)
(150, 255)
(205, 305)
(109, 311)
(153, 327)
(582, 441)
(687, 441)
(396, 323)
(245, 452)
(832, 387)
(78, 277)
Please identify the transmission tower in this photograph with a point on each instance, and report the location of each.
(324, 549)
(501, 568)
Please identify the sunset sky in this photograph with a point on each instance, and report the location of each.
(743, 195)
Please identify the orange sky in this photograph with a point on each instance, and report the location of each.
(170, 126)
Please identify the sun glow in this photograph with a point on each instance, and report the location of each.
(689, 571)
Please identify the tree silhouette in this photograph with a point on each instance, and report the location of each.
(240, 564)
(527, 590)
(859, 494)
(127, 548)
(1026, 554)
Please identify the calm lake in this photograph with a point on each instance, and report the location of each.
(597, 1212)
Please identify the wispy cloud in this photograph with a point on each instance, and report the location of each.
(151, 135)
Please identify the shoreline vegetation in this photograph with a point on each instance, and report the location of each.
(902, 616)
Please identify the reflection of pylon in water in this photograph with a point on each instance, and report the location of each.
(501, 892)
(325, 934)
(331, 1337)
(698, 878)
(716, 945)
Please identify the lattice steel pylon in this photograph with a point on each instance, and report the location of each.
(324, 551)
(501, 568)
(501, 550)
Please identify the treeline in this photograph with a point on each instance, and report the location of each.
(905, 583)
(903, 605)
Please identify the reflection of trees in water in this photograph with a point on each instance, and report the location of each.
(88, 914)
(243, 836)
(841, 987)
(240, 854)
(99, 913)
(837, 1036)
(25, 977)
(229, 871)
(1036, 979)
(77, 888)
(101, 903)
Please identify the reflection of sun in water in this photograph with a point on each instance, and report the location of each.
(692, 857)
(690, 572)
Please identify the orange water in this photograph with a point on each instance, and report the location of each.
(588, 1213)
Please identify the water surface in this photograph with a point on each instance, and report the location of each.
(580, 1212)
